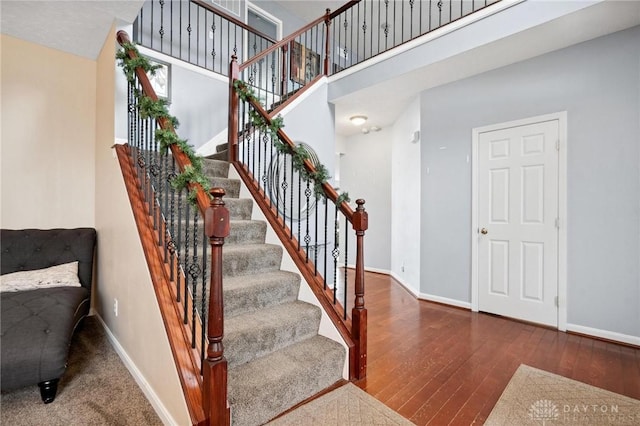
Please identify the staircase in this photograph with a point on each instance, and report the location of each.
(276, 357)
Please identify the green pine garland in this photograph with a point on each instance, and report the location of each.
(299, 154)
(158, 110)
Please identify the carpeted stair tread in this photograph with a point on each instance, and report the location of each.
(246, 232)
(215, 168)
(230, 186)
(249, 293)
(222, 147)
(266, 387)
(223, 156)
(256, 334)
(239, 208)
(243, 259)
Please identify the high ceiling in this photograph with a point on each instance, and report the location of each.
(80, 28)
(77, 27)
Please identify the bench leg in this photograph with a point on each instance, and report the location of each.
(48, 390)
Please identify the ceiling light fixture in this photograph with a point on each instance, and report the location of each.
(358, 120)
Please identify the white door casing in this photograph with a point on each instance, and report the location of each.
(518, 212)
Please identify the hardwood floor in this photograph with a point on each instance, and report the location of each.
(440, 365)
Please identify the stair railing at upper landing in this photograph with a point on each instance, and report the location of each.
(198, 33)
(181, 227)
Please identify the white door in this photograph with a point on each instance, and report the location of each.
(517, 222)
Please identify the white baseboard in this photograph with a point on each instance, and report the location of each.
(148, 391)
(604, 334)
(406, 286)
(444, 300)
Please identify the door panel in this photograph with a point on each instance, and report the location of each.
(517, 212)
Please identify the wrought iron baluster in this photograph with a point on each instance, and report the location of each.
(307, 237)
(315, 253)
(326, 234)
(161, 31)
(194, 272)
(284, 186)
(439, 13)
(299, 208)
(204, 300)
(171, 243)
(386, 24)
(411, 19)
(335, 253)
(213, 43)
(291, 202)
(189, 29)
(187, 215)
(346, 258)
(179, 247)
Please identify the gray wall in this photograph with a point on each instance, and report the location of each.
(365, 172)
(598, 84)
(201, 104)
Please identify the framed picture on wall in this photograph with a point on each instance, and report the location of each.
(304, 63)
(161, 81)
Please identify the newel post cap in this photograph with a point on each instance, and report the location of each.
(360, 217)
(216, 220)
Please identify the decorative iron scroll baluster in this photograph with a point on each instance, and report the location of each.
(180, 251)
(307, 237)
(194, 272)
(213, 43)
(187, 215)
(386, 24)
(203, 297)
(336, 254)
(161, 31)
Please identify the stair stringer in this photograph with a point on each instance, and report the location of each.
(327, 328)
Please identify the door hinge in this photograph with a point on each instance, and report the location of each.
(556, 301)
(557, 223)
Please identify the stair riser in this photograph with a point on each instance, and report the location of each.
(263, 389)
(239, 263)
(243, 295)
(215, 168)
(265, 334)
(240, 232)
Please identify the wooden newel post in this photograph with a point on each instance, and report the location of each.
(214, 369)
(327, 25)
(359, 312)
(234, 74)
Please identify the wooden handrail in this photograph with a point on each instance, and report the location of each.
(206, 394)
(282, 43)
(344, 7)
(232, 19)
(329, 191)
(181, 158)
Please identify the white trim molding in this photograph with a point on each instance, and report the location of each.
(604, 334)
(146, 388)
(406, 286)
(444, 300)
(561, 117)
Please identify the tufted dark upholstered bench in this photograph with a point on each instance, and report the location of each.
(37, 325)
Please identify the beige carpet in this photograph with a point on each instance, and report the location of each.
(347, 405)
(537, 397)
(97, 389)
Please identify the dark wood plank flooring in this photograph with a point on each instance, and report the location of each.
(441, 365)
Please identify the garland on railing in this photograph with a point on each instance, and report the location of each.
(299, 154)
(159, 109)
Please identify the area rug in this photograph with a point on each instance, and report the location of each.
(537, 397)
(347, 405)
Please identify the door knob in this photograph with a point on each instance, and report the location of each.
(484, 231)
